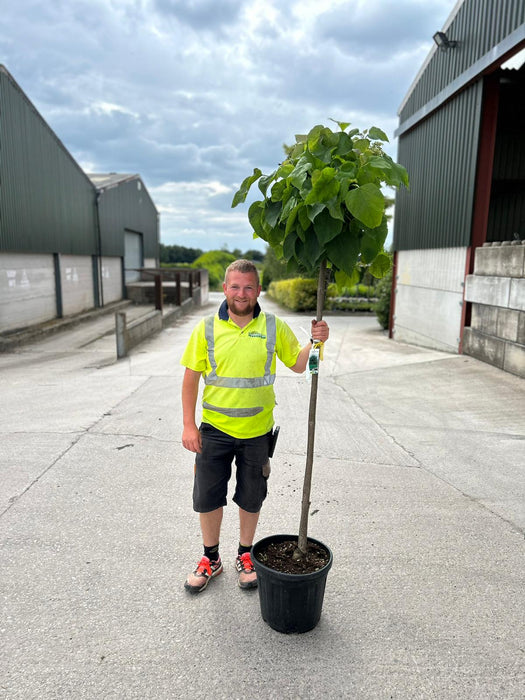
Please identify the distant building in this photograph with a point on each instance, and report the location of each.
(66, 238)
(459, 233)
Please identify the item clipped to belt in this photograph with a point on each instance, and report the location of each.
(273, 440)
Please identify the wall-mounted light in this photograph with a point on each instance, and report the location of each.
(443, 42)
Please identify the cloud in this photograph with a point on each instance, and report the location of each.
(201, 15)
(193, 94)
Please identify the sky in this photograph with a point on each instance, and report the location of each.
(194, 94)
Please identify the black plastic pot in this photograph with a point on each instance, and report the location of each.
(290, 602)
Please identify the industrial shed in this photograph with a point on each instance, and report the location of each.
(459, 233)
(129, 227)
(62, 238)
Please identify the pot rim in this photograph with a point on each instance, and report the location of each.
(280, 538)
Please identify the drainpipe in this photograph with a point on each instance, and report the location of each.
(99, 246)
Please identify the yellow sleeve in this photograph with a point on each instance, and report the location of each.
(195, 354)
(287, 346)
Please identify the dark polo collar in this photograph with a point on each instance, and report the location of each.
(223, 311)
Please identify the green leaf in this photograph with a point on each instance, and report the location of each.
(312, 140)
(299, 252)
(292, 267)
(289, 245)
(255, 216)
(278, 190)
(348, 170)
(381, 232)
(324, 186)
(335, 209)
(285, 169)
(274, 236)
(344, 144)
(366, 203)
(314, 210)
(300, 173)
(369, 248)
(303, 218)
(290, 221)
(288, 208)
(362, 144)
(342, 125)
(343, 252)
(344, 280)
(272, 211)
(375, 240)
(265, 181)
(381, 265)
(240, 195)
(311, 248)
(400, 176)
(377, 135)
(327, 227)
(321, 141)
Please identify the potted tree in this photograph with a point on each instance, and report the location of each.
(323, 211)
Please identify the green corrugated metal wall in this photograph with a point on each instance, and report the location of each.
(478, 26)
(47, 204)
(440, 126)
(440, 156)
(127, 206)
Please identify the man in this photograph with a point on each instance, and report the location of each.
(235, 352)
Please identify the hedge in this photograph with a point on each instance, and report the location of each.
(296, 294)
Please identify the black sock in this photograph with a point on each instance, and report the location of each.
(212, 552)
(243, 549)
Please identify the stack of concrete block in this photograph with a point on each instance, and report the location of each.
(497, 292)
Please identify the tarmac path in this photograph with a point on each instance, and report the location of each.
(419, 490)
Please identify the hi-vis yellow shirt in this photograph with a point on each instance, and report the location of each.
(238, 366)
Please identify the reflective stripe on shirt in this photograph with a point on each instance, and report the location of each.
(213, 379)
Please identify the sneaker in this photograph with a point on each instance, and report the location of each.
(247, 575)
(205, 571)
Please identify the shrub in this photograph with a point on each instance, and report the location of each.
(216, 262)
(383, 292)
(176, 265)
(297, 294)
(358, 290)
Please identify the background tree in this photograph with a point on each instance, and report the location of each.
(216, 262)
(177, 254)
(274, 269)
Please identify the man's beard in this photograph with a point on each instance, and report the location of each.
(243, 311)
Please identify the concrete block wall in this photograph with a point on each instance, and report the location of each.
(497, 292)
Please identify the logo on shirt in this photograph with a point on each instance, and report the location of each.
(253, 334)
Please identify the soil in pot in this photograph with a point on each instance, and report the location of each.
(279, 556)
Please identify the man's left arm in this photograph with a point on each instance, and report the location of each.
(319, 332)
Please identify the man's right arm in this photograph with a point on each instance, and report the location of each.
(191, 437)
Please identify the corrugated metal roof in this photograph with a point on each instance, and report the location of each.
(105, 180)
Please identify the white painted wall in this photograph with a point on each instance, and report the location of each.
(429, 297)
(111, 279)
(27, 290)
(133, 255)
(76, 276)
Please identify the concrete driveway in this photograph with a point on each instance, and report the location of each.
(419, 490)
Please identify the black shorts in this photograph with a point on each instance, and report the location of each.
(213, 469)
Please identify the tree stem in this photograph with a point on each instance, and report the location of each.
(302, 544)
